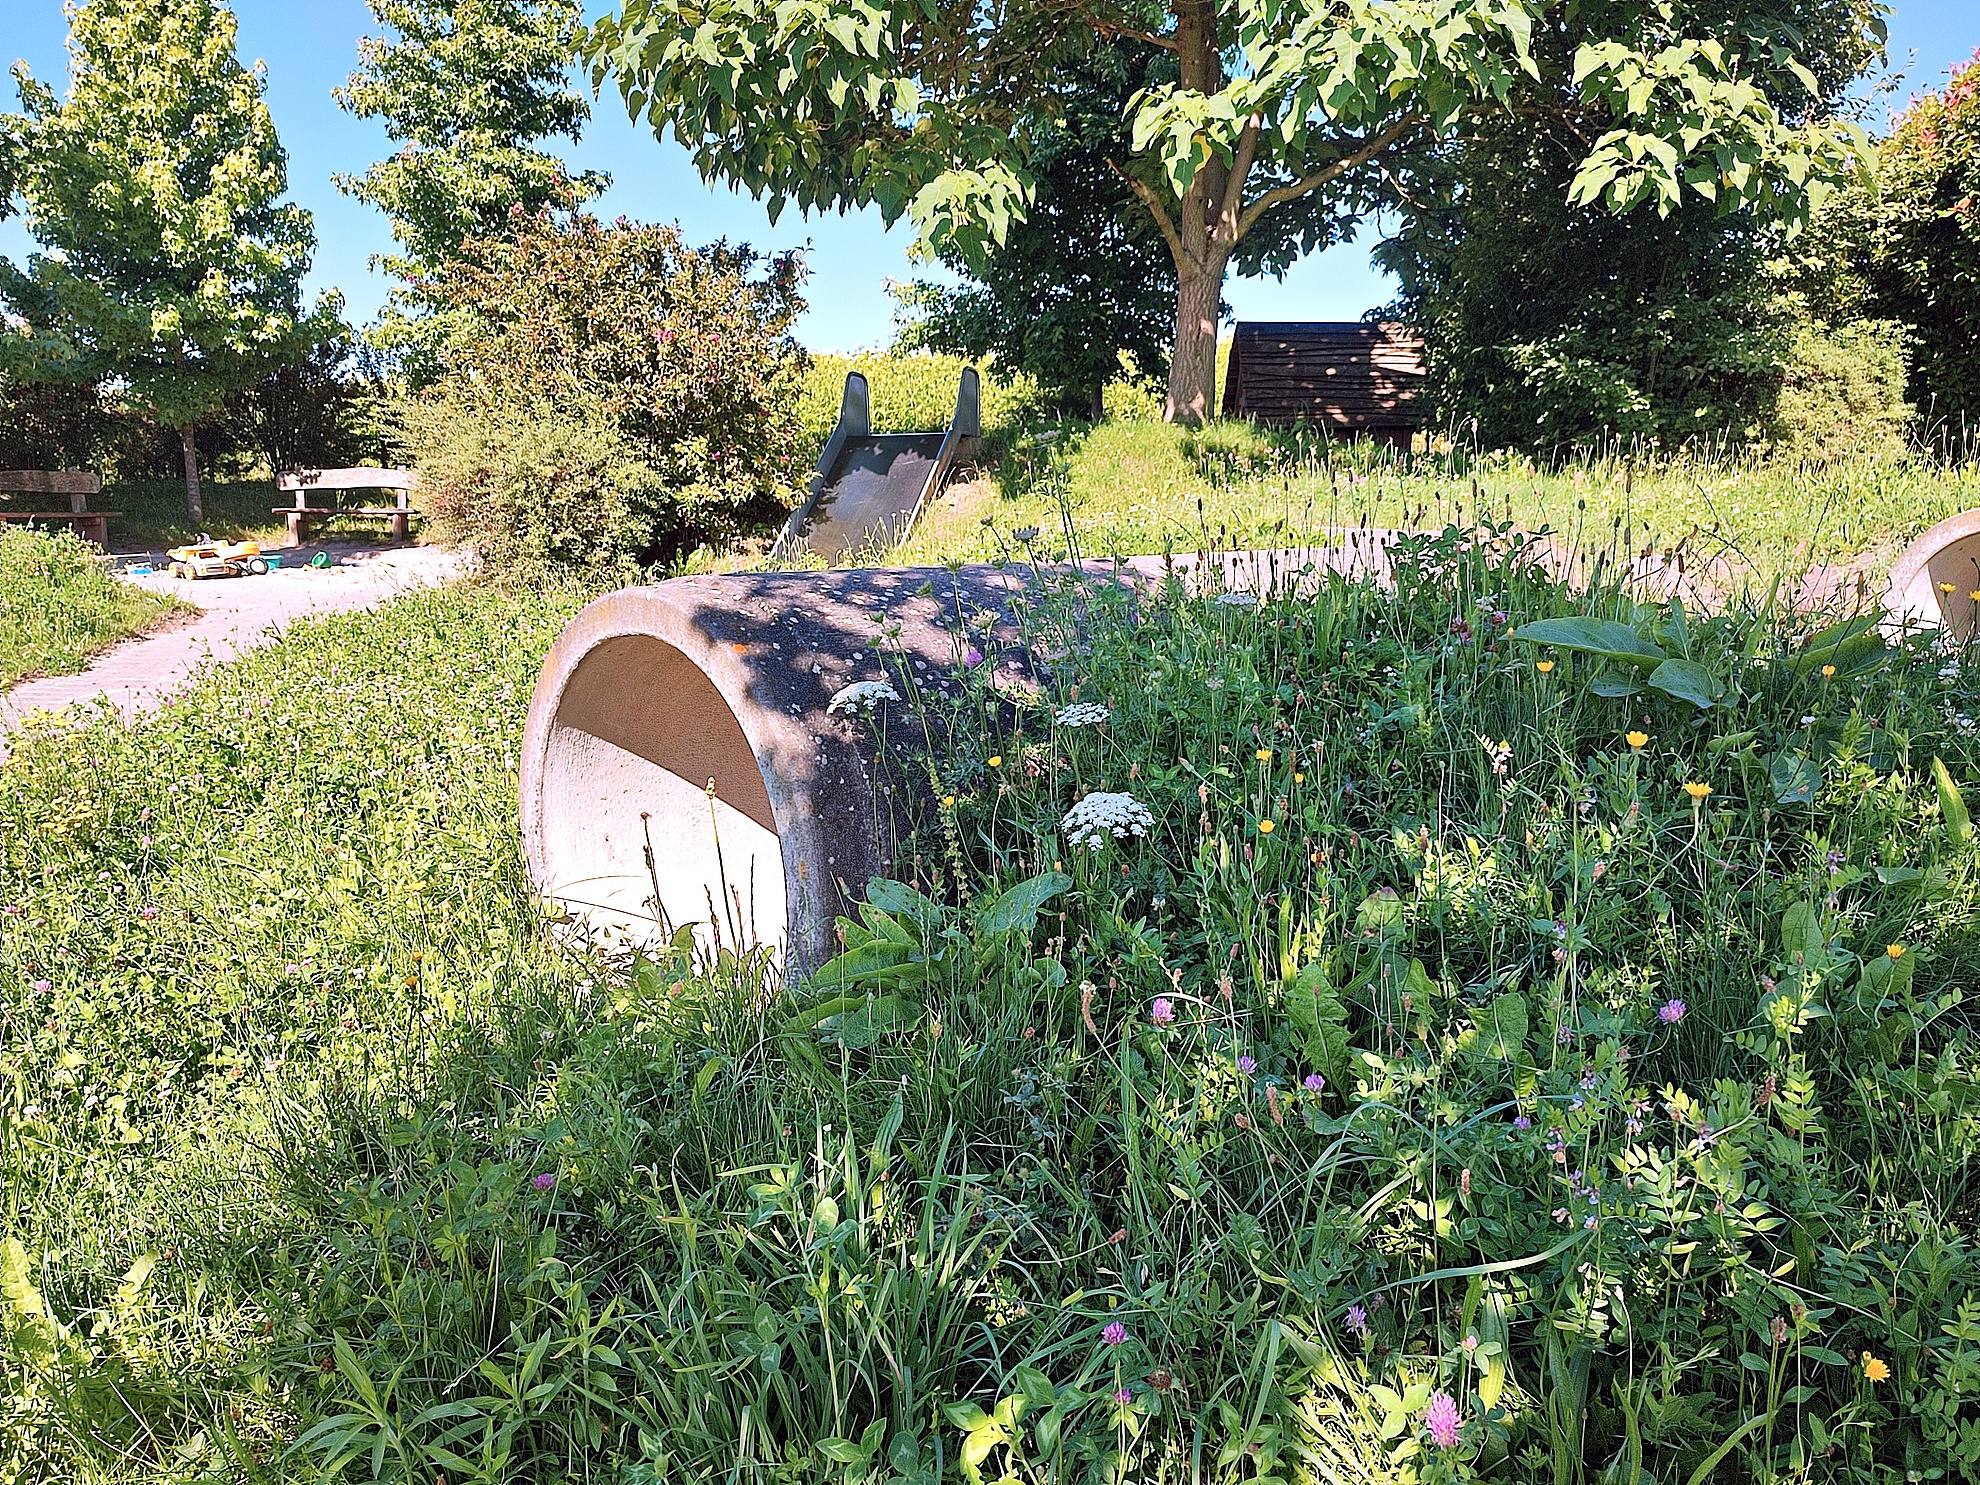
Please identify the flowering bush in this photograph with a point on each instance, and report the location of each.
(676, 364)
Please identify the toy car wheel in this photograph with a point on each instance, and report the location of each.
(180, 570)
(257, 566)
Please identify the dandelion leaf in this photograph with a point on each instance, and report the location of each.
(1501, 1028)
(1319, 1017)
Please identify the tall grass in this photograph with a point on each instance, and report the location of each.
(1143, 486)
(58, 606)
(326, 1156)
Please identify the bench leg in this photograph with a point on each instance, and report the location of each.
(96, 529)
(401, 526)
(298, 528)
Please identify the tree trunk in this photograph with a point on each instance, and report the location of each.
(1204, 231)
(1193, 367)
(192, 476)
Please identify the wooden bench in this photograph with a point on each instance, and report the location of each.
(75, 485)
(303, 483)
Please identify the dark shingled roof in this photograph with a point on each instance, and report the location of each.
(1348, 376)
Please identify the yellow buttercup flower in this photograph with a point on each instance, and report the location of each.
(1543, 666)
(996, 760)
(1636, 740)
(948, 801)
(1265, 827)
(1263, 755)
(1698, 791)
(1874, 1368)
(1827, 671)
(1894, 951)
(1299, 778)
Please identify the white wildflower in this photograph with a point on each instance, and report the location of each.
(1083, 714)
(1098, 816)
(861, 696)
(1238, 600)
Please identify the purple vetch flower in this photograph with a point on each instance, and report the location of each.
(1442, 1419)
(974, 657)
(1123, 1396)
(1163, 1012)
(1671, 1012)
(544, 1181)
(1357, 1320)
(1115, 1334)
(1315, 1083)
(1247, 1064)
(1522, 1123)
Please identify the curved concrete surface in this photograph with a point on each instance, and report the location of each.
(682, 763)
(1936, 579)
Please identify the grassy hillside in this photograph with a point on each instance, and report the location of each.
(58, 606)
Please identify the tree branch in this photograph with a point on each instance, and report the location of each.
(1246, 155)
(1154, 204)
(1112, 30)
(1372, 149)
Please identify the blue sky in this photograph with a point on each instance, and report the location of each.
(311, 45)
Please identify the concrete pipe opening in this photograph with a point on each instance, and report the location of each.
(1936, 580)
(652, 811)
(649, 693)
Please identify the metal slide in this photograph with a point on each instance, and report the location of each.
(870, 488)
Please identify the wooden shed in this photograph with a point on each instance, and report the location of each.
(1352, 378)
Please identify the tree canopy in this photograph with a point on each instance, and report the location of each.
(1083, 277)
(933, 111)
(172, 265)
(1551, 321)
(466, 88)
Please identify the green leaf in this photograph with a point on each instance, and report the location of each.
(1016, 911)
(1794, 779)
(1604, 637)
(873, 1020)
(1501, 1028)
(1952, 808)
(1687, 680)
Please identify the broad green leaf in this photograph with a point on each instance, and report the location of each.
(1016, 911)
(1793, 778)
(1687, 680)
(1604, 637)
(1952, 808)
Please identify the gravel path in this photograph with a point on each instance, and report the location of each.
(239, 614)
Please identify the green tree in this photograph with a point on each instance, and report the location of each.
(465, 87)
(930, 110)
(1551, 321)
(173, 268)
(1084, 277)
(1922, 266)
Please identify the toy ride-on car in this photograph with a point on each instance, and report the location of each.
(208, 558)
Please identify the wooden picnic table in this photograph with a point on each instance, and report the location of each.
(73, 484)
(306, 483)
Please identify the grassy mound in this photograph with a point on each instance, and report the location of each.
(1333, 1038)
(1133, 485)
(58, 606)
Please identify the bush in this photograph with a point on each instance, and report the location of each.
(684, 354)
(535, 486)
(1925, 247)
(1842, 391)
